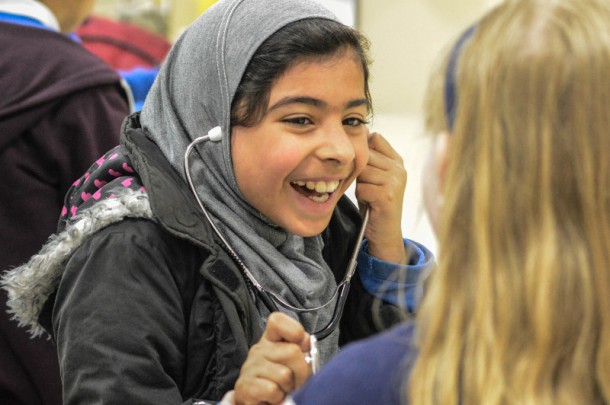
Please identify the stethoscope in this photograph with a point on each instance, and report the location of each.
(269, 298)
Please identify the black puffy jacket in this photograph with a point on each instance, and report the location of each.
(169, 317)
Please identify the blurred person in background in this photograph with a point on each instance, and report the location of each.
(60, 108)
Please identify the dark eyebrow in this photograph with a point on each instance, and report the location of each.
(314, 102)
(358, 103)
(298, 100)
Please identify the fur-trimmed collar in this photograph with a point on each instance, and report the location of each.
(30, 285)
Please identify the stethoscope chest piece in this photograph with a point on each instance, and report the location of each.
(313, 357)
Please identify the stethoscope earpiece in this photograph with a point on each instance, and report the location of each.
(215, 134)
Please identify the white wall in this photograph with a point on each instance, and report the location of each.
(406, 38)
(345, 10)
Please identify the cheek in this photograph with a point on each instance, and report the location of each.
(278, 166)
(430, 191)
(362, 155)
(265, 169)
(282, 155)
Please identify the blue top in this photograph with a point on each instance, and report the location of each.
(393, 283)
(29, 21)
(370, 371)
(22, 20)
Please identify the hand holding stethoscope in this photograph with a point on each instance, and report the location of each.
(273, 353)
(380, 187)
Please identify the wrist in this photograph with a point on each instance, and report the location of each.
(393, 252)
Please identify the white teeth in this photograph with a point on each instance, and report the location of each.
(332, 186)
(319, 186)
(323, 188)
(320, 199)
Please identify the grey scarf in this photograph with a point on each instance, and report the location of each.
(193, 94)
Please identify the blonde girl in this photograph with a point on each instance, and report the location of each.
(518, 309)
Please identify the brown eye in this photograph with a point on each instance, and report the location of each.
(300, 121)
(353, 122)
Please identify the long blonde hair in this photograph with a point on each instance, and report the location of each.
(518, 309)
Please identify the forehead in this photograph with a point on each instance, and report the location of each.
(343, 54)
(339, 76)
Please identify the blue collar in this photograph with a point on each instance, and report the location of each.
(30, 22)
(22, 20)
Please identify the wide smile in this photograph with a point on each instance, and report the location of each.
(317, 191)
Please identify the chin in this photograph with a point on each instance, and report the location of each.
(309, 229)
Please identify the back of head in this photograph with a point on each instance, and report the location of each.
(517, 310)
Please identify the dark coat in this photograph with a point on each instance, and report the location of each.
(173, 317)
(61, 107)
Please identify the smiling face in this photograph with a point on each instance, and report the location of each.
(295, 164)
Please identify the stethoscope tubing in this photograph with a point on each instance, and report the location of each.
(269, 298)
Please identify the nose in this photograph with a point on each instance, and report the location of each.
(336, 145)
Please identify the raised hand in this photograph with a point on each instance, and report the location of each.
(275, 365)
(382, 186)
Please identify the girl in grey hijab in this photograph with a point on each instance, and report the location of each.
(137, 289)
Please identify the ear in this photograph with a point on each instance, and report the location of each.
(434, 174)
(442, 143)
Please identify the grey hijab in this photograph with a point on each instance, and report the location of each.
(192, 95)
